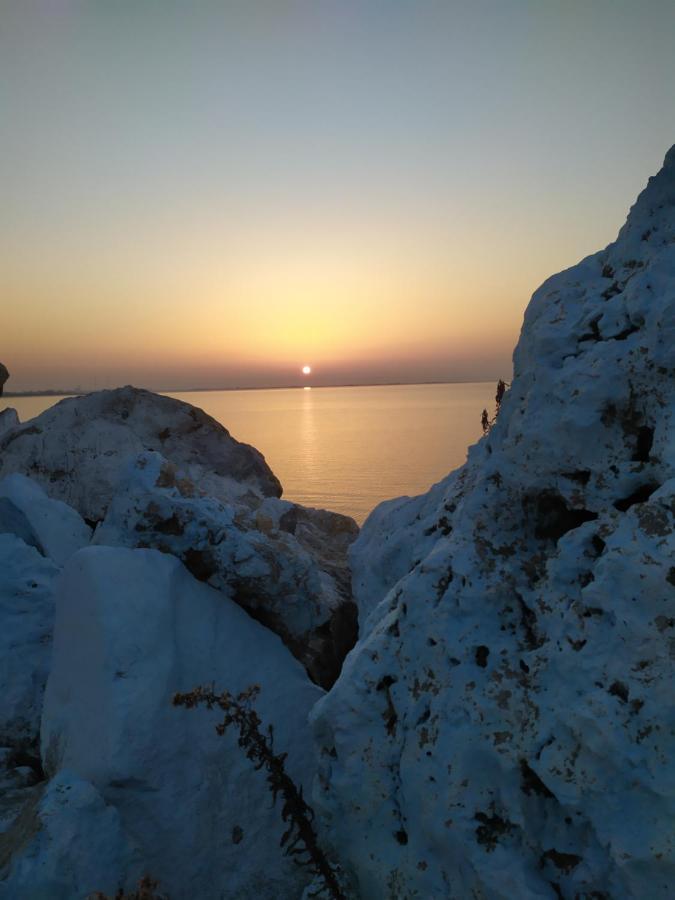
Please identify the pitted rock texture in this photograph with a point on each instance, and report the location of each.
(75, 449)
(505, 727)
(286, 565)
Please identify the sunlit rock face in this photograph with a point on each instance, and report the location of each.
(505, 727)
(75, 448)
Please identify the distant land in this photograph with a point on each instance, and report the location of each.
(74, 392)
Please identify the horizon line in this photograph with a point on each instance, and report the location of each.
(72, 392)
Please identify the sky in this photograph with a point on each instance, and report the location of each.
(214, 194)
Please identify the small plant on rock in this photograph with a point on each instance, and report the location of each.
(485, 420)
(300, 839)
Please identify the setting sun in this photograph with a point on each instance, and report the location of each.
(306, 370)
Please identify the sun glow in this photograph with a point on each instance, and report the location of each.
(306, 370)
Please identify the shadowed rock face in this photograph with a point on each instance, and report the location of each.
(284, 564)
(137, 784)
(506, 718)
(8, 419)
(4, 375)
(75, 448)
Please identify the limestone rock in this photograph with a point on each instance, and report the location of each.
(76, 448)
(504, 727)
(153, 788)
(8, 419)
(286, 565)
(26, 614)
(52, 527)
(67, 839)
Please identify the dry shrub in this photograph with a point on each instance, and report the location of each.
(300, 839)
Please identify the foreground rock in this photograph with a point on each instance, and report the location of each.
(8, 420)
(119, 783)
(52, 527)
(37, 536)
(26, 612)
(273, 561)
(505, 726)
(205, 498)
(75, 449)
(138, 785)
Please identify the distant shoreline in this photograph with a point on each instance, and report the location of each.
(278, 387)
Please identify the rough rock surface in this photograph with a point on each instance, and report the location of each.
(8, 419)
(286, 565)
(137, 784)
(52, 527)
(4, 375)
(75, 448)
(214, 504)
(67, 836)
(505, 727)
(26, 613)
(37, 536)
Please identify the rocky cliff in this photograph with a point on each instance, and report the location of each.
(505, 726)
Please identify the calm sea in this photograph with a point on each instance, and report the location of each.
(347, 448)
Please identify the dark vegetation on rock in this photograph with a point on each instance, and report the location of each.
(300, 840)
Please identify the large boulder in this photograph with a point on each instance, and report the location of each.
(286, 565)
(505, 727)
(141, 786)
(4, 375)
(75, 449)
(208, 499)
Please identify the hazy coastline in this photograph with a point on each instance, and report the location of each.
(73, 392)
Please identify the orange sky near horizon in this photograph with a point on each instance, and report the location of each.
(215, 197)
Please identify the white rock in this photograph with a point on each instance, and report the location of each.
(8, 419)
(70, 843)
(76, 448)
(132, 628)
(286, 565)
(26, 617)
(505, 726)
(53, 528)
